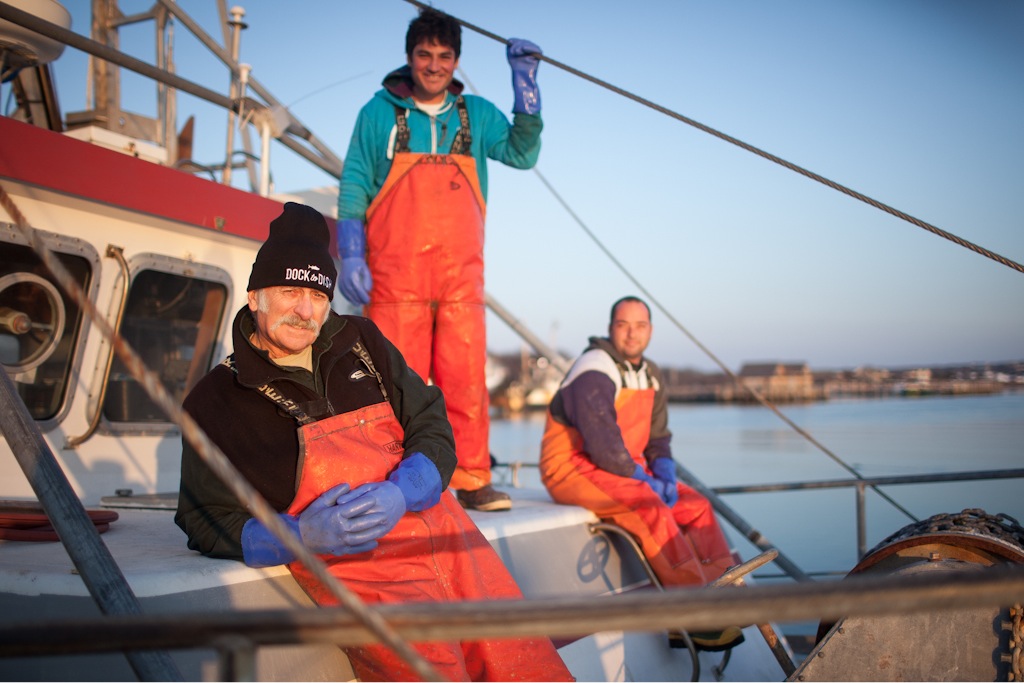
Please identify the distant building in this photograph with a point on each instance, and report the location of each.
(918, 375)
(871, 374)
(779, 381)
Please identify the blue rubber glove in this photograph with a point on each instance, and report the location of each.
(419, 481)
(380, 500)
(656, 485)
(355, 282)
(261, 548)
(524, 63)
(664, 470)
(324, 527)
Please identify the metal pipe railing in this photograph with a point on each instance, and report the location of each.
(973, 475)
(73, 442)
(643, 611)
(860, 485)
(328, 162)
(860, 488)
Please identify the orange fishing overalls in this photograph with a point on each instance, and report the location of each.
(425, 252)
(684, 543)
(434, 555)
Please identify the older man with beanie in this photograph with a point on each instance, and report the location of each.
(325, 419)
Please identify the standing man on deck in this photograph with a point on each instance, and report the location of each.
(411, 206)
(606, 448)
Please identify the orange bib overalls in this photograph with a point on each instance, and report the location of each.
(684, 543)
(425, 251)
(434, 555)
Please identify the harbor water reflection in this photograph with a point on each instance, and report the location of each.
(733, 445)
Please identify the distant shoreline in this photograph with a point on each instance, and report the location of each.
(728, 392)
(796, 382)
(530, 383)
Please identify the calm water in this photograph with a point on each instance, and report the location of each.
(728, 445)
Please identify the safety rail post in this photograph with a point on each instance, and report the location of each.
(862, 533)
(100, 573)
(236, 658)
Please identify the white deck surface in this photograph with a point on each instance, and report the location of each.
(147, 546)
(151, 552)
(532, 511)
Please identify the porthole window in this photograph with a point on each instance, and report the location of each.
(171, 320)
(39, 324)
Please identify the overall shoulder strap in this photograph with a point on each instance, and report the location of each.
(274, 396)
(464, 138)
(294, 409)
(360, 350)
(402, 124)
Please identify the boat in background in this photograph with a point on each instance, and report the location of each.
(162, 255)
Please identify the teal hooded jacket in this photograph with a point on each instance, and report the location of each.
(371, 148)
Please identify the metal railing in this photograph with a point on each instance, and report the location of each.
(644, 611)
(758, 539)
(860, 486)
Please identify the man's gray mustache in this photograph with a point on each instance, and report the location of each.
(296, 321)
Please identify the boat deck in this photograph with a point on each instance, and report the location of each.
(38, 582)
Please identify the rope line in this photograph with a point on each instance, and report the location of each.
(211, 453)
(738, 381)
(755, 150)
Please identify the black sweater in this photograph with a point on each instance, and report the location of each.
(261, 440)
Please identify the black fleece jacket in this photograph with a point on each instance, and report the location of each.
(261, 440)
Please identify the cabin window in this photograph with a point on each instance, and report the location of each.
(172, 321)
(39, 324)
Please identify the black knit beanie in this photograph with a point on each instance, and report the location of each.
(297, 252)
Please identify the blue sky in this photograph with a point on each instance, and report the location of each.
(917, 104)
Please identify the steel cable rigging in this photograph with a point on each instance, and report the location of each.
(755, 150)
(757, 395)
